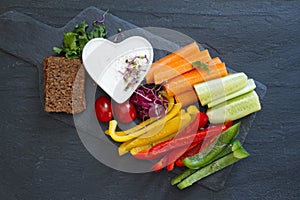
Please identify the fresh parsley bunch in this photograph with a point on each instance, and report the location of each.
(75, 41)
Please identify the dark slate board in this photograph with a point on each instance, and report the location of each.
(25, 33)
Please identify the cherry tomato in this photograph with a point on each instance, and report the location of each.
(203, 120)
(125, 112)
(103, 109)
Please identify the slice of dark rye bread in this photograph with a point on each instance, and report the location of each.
(62, 92)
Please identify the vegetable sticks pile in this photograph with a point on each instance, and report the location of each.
(182, 69)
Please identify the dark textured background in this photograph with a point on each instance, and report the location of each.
(42, 158)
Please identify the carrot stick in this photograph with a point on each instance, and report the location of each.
(184, 52)
(186, 98)
(214, 61)
(174, 69)
(187, 80)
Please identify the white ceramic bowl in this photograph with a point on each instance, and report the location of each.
(105, 60)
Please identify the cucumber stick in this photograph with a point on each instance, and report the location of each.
(219, 88)
(249, 87)
(234, 109)
(229, 149)
(215, 166)
(182, 176)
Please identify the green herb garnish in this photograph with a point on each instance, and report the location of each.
(200, 64)
(75, 41)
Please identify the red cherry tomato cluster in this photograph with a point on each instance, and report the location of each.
(125, 112)
(105, 110)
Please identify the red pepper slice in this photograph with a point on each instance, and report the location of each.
(200, 142)
(159, 165)
(169, 159)
(189, 130)
(195, 149)
(185, 141)
(155, 152)
(170, 166)
(142, 155)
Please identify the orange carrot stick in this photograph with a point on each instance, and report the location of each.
(186, 98)
(214, 61)
(184, 52)
(187, 80)
(173, 69)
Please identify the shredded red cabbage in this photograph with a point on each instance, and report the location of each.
(149, 102)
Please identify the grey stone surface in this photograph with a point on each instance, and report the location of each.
(42, 158)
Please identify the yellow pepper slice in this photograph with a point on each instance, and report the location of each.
(171, 101)
(193, 110)
(135, 150)
(158, 123)
(122, 148)
(172, 126)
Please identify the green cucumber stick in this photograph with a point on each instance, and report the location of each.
(214, 167)
(229, 149)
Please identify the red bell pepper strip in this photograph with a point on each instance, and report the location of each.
(165, 161)
(159, 165)
(199, 147)
(174, 155)
(168, 160)
(195, 149)
(170, 166)
(161, 149)
(179, 163)
(177, 154)
(142, 155)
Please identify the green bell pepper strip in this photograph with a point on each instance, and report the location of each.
(214, 167)
(203, 158)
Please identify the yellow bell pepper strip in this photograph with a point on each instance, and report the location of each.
(133, 129)
(172, 126)
(123, 149)
(193, 110)
(165, 147)
(149, 128)
(171, 101)
(135, 150)
(146, 122)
